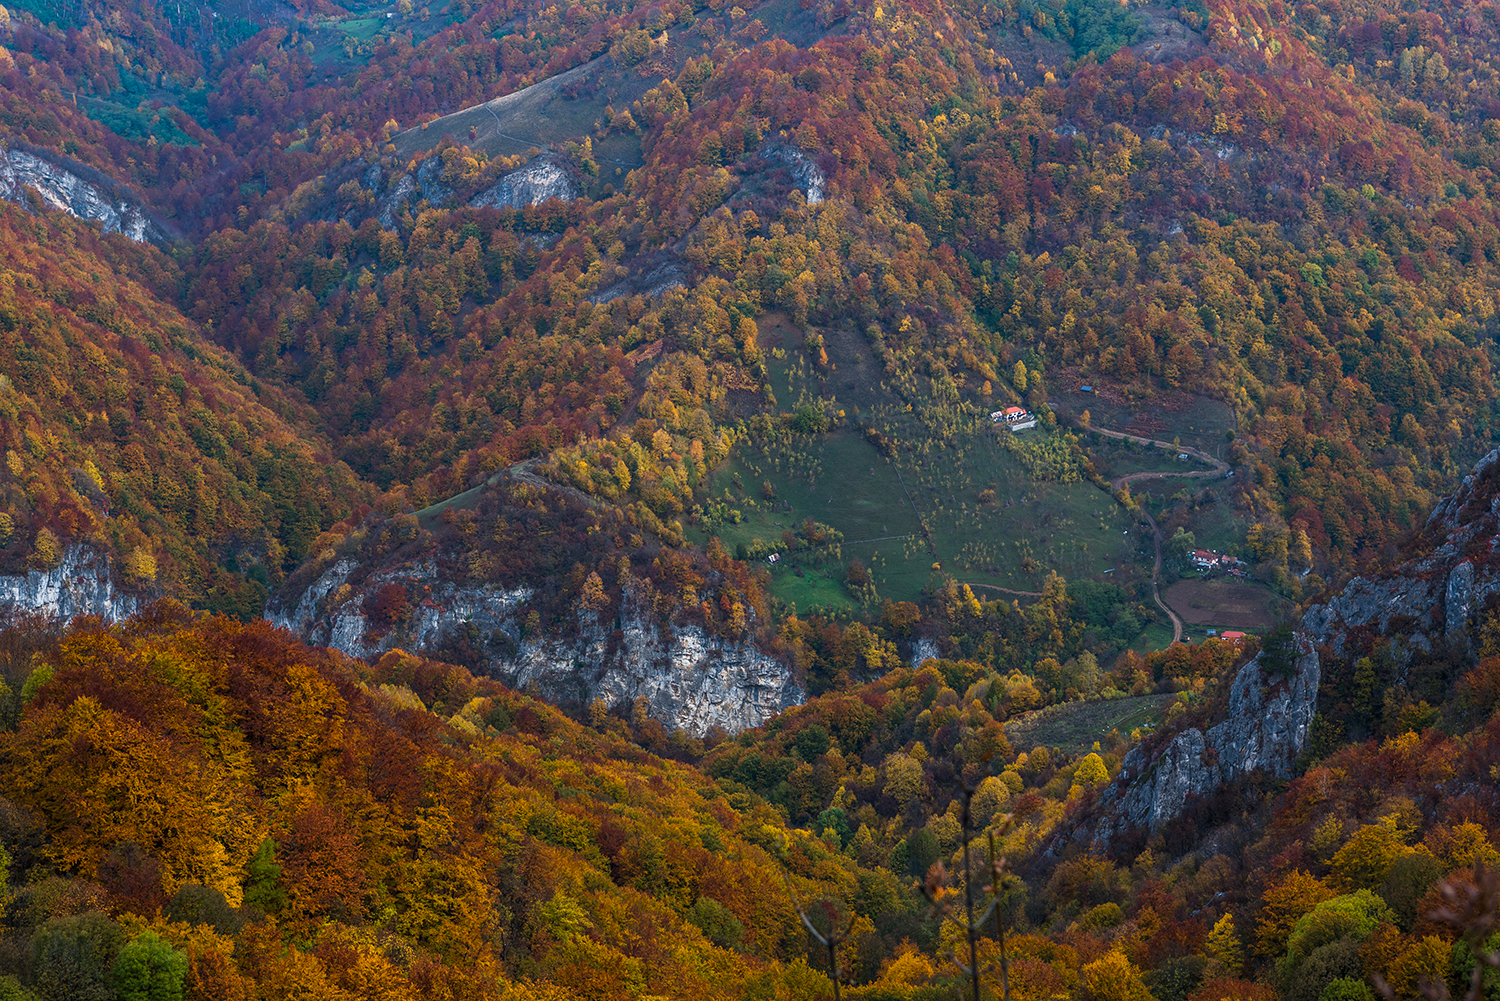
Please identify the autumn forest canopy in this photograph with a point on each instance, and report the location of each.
(699, 329)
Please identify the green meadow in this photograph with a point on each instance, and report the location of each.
(943, 496)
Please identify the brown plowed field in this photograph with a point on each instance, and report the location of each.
(1221, 603)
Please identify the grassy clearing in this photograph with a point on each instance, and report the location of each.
(1075, 726)
(944, 495)
(1198, 421)
(1218, 526)
(1114, 457)
(1156, 636)
(429, 516)
(362, 28)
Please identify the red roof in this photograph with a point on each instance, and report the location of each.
(1014, 410)
(1232, 634)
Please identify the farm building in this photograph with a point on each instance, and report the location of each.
(1015, 418)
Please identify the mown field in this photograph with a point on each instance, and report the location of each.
(945, 497)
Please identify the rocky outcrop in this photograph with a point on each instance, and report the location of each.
(923, 649)
(649, 277)
(1426, 604)
(1264, 730)
(545, 177)
(407, 189)
(64, 190)
(79, 585)
(806, 174)
(1433, 599)
(690, 680)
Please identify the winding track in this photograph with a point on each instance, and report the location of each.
(1120, 482)
(524, 472)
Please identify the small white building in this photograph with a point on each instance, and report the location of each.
(1015, 418)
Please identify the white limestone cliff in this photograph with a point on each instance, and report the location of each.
(691, 680)
(80, 584)
(69, 193)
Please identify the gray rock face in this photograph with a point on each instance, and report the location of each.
(544, 177)
(396, 199)
(1435, 598)
(71, 194)
(650, 281)
(1265, 729)
(79, 585)
(1458, 603)
(1426, 603)
(923, 649)
(806, 174)
(690, 680)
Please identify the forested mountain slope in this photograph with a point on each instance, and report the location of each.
(717, 396)
(1264, 204)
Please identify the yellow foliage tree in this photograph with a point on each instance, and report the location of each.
(1422, 962)
(140, 565)
(1223, 945)
(103, 779)
(593, 597)
(1091, 771)
(1368, 855)
(1281, 906)
(909, 968)
(1113, 977)
(48, 551)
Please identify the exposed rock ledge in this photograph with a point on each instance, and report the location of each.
(1265, 729)
(691, 680)
(543, 177)
(1428, 603)
(79, 585)
(64, 190)
(806, 173)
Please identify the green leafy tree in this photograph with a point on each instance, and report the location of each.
(11, 990)
(1347, 989)
(834, 819)
(148, 969)
(1353, 916)
(262, 879)
(716, 921)
(1182, 543)
(71, 957)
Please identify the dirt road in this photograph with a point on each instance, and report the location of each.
(1156, 579)
(1120, 482)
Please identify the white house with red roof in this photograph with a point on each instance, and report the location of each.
(1015, 418)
